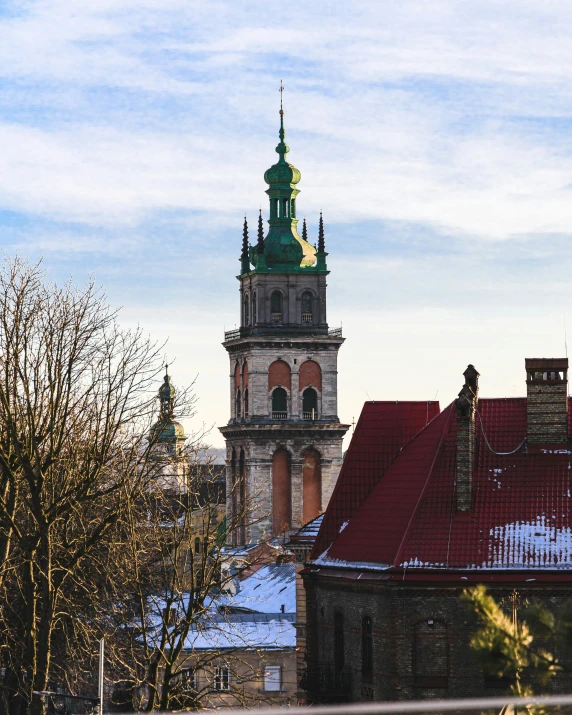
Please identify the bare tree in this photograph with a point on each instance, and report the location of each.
(76, 402)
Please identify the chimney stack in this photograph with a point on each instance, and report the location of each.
(547, 400)
(466, 404)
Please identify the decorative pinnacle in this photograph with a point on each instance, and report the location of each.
(260, 242)
(244, 253)
(244, 259)
(321, 239)
(304, 231)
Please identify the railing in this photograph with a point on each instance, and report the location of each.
(232, 334)
(279, 415)
(313, 415)
(276, 317)
(306, 317)
(277, 328)
(560, 704)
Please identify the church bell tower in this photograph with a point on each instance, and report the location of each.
(284, 437)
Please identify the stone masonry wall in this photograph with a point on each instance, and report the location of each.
(260, 445)
(404, 619)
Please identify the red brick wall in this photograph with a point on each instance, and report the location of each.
(281, 492)
(311, 485)
(310, 374)
(237, 376)
(245, 375)
(279, 374)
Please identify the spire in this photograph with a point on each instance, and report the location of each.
(260, 242)
(321, 239)
(304, 231)
(282, 147)
(244, 261)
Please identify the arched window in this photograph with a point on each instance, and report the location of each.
(280, 404)
(246, 310)
(276, 306)
(238, 405)
(310, 404)
(246, 402)
(366, 649)
(197, 545)
(307, 310)
(254, 308)
(339, 648)
(431, 654)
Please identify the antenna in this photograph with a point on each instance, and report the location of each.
(565, 343)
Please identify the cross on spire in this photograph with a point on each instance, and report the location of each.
(281, 93)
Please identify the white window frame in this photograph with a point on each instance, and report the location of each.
(271, 683)
(221, 680)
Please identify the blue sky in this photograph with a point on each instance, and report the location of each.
(436, 137)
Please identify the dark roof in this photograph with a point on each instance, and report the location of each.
(382, 430)
(520, 518)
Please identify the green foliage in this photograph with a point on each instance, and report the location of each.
(510, 646)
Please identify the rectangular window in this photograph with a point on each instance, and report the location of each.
(221, 678)
(188, 680)
(273, 678)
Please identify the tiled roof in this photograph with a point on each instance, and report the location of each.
(520, 518)
(382, 430)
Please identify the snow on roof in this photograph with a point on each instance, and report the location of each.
(248, 631)
(271, 589)
(260, 615)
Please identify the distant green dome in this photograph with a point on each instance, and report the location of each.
(166, 431)
(167, 428)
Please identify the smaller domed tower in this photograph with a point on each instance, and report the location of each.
(168, 439)
(284, 437)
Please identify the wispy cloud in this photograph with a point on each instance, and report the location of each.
(435, 137)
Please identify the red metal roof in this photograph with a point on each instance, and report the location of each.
(382, 430)
(520, 518)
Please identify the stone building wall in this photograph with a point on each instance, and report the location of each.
(259, 443)
(420, 640)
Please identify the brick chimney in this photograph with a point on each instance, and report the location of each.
(547, 400)
(466, 404)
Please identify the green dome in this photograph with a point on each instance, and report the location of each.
(166, 431)
(282, 173)
(284, 249)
